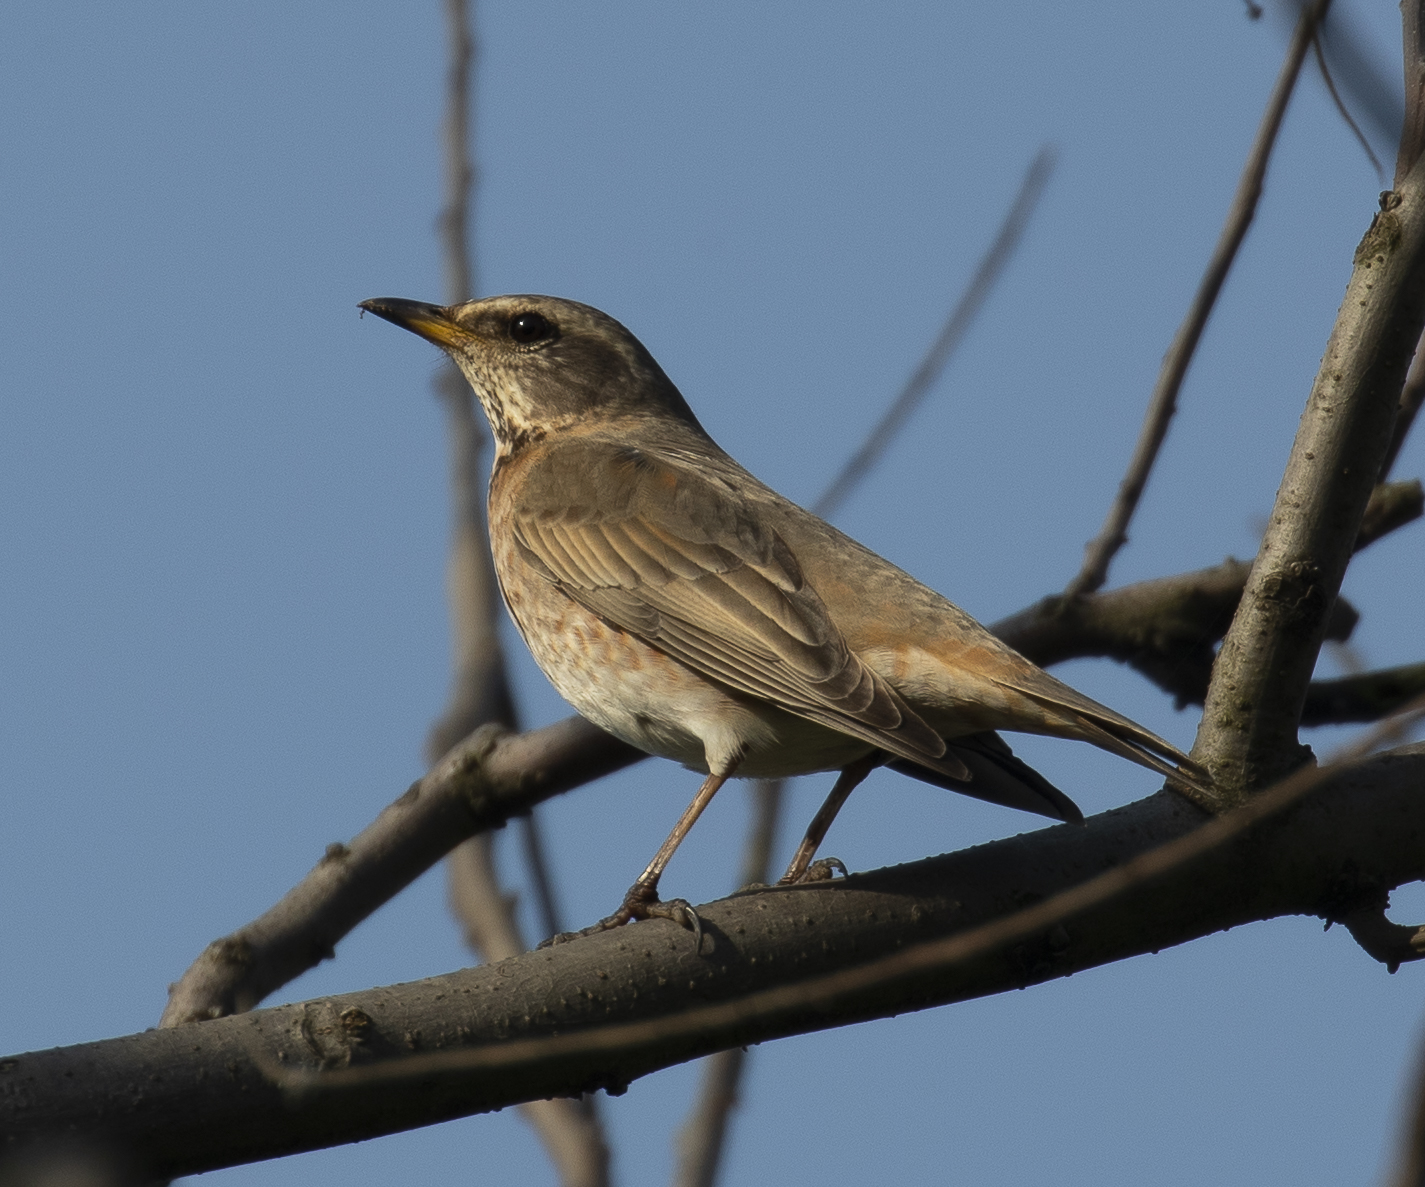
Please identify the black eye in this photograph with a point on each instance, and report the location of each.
(530, 327)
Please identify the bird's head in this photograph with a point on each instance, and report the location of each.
(542, 364)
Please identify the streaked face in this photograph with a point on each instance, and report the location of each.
(539, 364)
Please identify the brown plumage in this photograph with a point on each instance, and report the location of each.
(691, 610)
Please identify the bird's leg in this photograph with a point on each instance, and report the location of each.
(641, 901)
(801, 869)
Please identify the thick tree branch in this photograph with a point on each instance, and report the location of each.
(1163, 403)
(207, 1099)
(1248, 733)
(569, 1129)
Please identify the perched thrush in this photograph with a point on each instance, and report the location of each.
(687, 608)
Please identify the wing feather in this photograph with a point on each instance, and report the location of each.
(689, 568)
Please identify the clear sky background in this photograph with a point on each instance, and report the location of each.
(224, 517)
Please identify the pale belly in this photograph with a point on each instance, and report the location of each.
(660, 706)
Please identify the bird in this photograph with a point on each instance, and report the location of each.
(689, 609)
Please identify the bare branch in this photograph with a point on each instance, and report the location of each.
(1166, 629)
(1410, 1171)
(951, 335)
(454, 221)
(1412, 134)
(703, 1137)
(1392, 505)
(624, 1003)
(1367, 696)
(1162, 404)
(1341, 109)
(1411, 396)
(1248, 732)
(569, 1129)
(479, 785)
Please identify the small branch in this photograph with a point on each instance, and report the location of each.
(1368, 696)
(1411, 396)
(1412, 135)
(1410, 1171)
(1248, 733)
(1342, 110)
(1100, 551)
(1392, 505)
(478, 786)
(990, 269)
(703, 1137)
(1165, 629)
(454, 221)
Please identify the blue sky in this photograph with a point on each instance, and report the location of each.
(224, 514)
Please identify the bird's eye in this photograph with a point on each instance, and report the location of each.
(530, 327)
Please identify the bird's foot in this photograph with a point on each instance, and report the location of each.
(641, 902)
(819, 871)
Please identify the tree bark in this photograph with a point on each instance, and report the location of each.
(194, 1098)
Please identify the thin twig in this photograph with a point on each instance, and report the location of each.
(990, 269)
(1411, 396)
(1341, 109)
(1411, 1169)
(1100, 551)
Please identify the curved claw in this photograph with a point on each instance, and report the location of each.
(823, 869)
(641, 902)
(679, 911)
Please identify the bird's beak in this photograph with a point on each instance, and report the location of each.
(431, 322)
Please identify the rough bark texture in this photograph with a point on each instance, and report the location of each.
(1248, 734)
(193, 1098)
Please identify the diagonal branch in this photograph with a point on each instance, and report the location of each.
(485, 781)
(918, 386)
(1162, 404)
(1248, 732)
(1411, 397)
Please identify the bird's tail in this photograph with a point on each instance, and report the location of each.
(1073, 715)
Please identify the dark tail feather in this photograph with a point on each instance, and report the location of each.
(998, 777)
